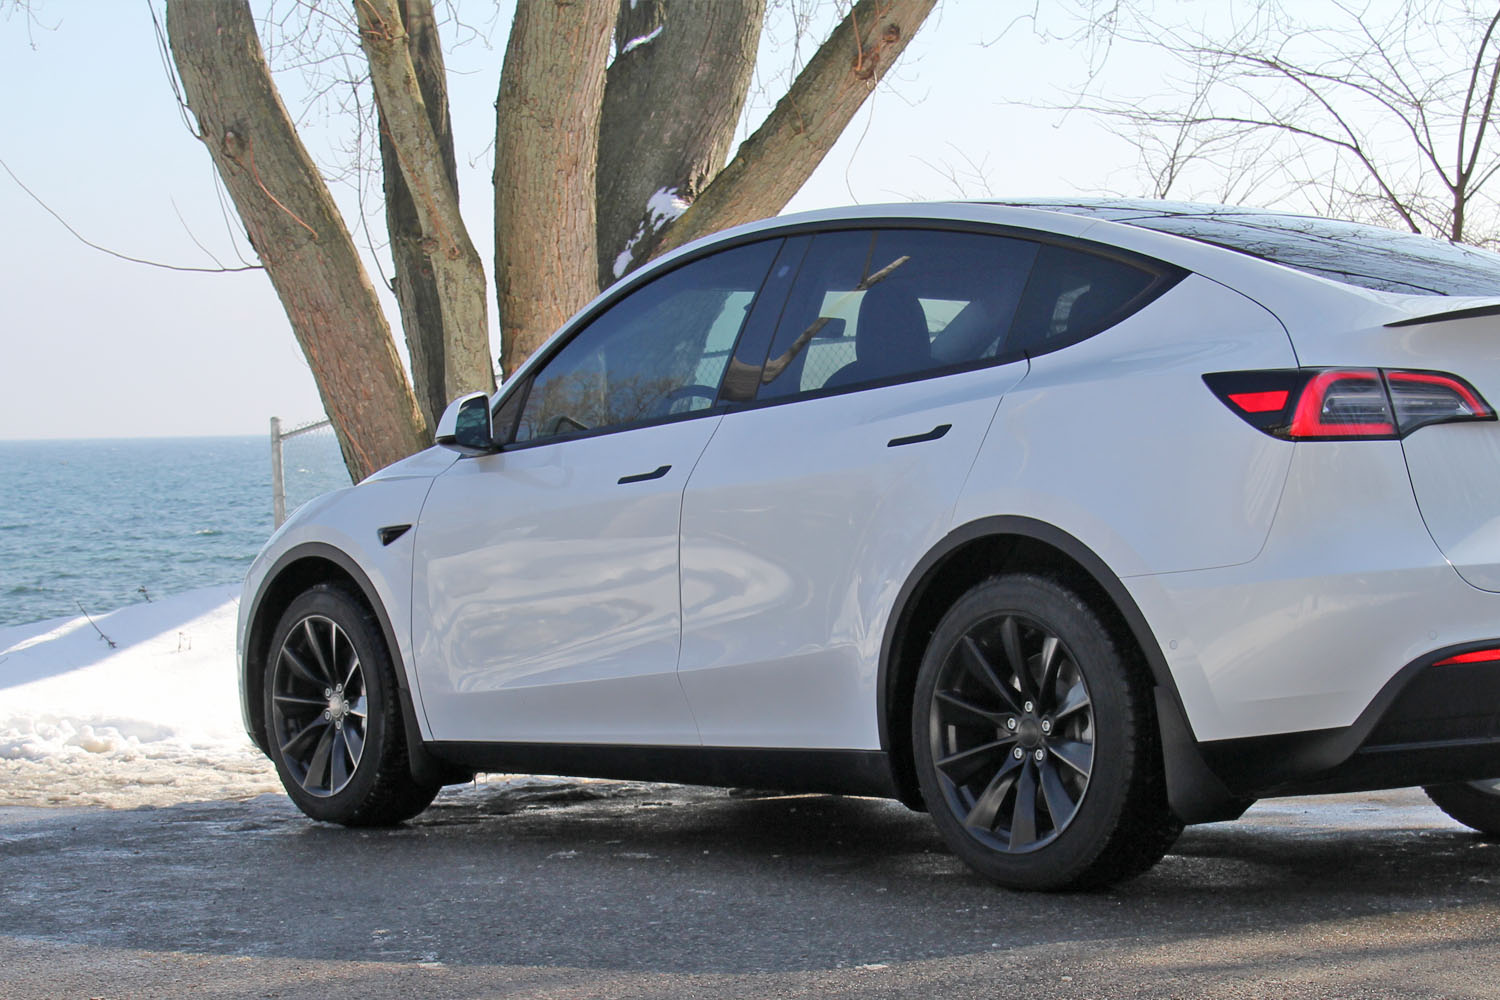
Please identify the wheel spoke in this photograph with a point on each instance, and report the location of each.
(987, 806)
(1050, 662)
(302, 734)
(978, 665)
(355, 740)
(317, 650)
(299, 668)
(317, 767)
(292, 699)
(1074, 701)
(962, 766)
(1010, 639)
(1078, 756)
(981, 717)
(353, 669)
(338, 762)
(1059, 803)
(1023, 816)
(359, 708)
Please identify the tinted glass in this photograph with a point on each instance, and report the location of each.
(1367, 256)
(871, 307)
(659, 352)
(1073, 295)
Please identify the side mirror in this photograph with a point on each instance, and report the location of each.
(465, 426)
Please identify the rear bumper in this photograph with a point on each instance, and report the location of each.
(1348, 594)
(1428, 725)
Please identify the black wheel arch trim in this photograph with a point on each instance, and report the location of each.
(1195, 792)
(424, 766)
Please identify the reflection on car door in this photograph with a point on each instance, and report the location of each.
(808, 509)
(545, 587)
(545, 591)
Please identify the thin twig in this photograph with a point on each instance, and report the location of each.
(115, 253)
(106, 638)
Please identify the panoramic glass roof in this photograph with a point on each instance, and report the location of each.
(1367, 256)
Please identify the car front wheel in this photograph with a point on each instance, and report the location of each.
(1035, 743)
(333, 714)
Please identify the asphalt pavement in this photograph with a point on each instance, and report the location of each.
(604, 889)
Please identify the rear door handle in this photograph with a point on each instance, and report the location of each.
(642, 477)
(931, 435)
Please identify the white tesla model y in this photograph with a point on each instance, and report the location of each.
(1069, 523)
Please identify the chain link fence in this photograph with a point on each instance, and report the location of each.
(305, 462)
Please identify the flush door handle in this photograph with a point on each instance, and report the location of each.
(931, 435)
(642, 477)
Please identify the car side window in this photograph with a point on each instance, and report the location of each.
(876, 306)
(1074, 294)
(659, 352)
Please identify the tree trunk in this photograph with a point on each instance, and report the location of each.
(456, 268)
(774, 163)
(546, 147)
(414, 283)
(672, 98)
(292, 222)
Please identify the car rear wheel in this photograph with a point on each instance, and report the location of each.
(1475, 804)
(1034, 740)
(333, 714)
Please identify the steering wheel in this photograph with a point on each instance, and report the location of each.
(666, 403)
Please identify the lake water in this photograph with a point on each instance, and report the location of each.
(91, 523)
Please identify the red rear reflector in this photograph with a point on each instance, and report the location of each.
(1478, 656)
(1259, 402)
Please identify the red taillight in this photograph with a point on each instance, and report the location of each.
(1423, 398)
(1343, 403)
(1332, 404)
(1477, 656)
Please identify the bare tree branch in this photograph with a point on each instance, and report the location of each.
(115, 253)
(776, 161)
(1384, 97)
(455, 263)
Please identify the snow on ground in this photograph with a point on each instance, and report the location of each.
(152, 721)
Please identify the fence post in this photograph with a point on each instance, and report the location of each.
(278, 484)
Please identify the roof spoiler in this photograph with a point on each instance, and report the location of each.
(1473, 312)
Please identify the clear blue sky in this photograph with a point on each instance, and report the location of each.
(94, 346)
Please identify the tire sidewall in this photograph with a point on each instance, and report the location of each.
(369, 645)
(1066, 858)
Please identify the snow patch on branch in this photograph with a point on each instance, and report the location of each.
(664, 206)
(636, 43)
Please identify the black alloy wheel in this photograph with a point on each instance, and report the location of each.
(1035, 741)
(333, 714)
(1012, 733)
(319, 708)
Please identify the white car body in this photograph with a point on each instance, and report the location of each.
(751, 597)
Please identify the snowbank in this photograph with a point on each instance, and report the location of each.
(152, 720)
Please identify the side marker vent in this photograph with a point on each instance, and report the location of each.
(391, 532)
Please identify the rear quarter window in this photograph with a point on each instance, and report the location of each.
(1074, 294)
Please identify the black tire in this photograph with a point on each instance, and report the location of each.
(1021, 664)
(333, 714)
(1475, 804)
